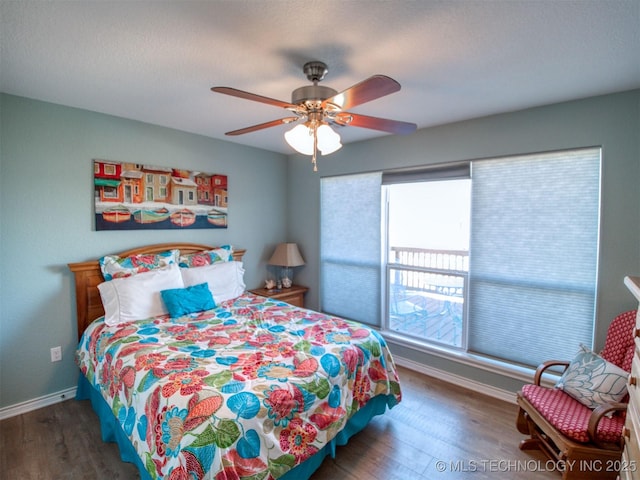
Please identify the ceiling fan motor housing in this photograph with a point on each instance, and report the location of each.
(314, 94)
(311, 92)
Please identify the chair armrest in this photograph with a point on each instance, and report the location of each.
(544, 366)
(597, 415)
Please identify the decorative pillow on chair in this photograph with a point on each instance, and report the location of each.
(592, 381)
(182, 301)
(113, 266)
(208, 257)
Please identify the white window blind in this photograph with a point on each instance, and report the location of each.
(534, 250)
(350, 246)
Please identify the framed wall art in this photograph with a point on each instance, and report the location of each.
(132, 196)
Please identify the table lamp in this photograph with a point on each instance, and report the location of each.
(286, 256)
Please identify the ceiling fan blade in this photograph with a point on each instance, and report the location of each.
(365, 91)
(375, 123)
(261, 126)
(234, 92)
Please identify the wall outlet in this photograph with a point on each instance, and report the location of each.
(56, 354)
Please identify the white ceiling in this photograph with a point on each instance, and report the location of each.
(155, 61)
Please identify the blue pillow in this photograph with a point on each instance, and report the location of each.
(181, 301)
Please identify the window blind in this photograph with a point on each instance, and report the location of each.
(534, 250)
(350, 246)
(449, 171)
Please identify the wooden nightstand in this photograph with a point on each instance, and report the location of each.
(293, 295)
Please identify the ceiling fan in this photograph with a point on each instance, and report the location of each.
(317, 107)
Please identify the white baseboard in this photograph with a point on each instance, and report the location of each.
(36, 403)
(505, 395)
(458, 380)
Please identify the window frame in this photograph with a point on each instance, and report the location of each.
(439, 173)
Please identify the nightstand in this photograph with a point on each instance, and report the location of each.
(293, 295)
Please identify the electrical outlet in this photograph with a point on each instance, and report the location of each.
(56, 354)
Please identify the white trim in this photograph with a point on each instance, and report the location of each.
(36, 403)
(494, 392)
(491, 365)
(452, 378)
(517, 372)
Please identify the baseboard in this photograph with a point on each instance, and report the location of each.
(36, 403)
(505, 395)
(458, 380)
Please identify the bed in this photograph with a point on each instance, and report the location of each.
(246, 388)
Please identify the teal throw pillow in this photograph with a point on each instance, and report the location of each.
(182, 301)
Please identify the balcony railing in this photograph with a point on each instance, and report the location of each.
(449, 260)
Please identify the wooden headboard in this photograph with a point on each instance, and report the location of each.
(88, 275)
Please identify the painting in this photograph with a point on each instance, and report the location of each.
(132, 196)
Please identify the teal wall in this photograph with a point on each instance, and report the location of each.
(611, 121)
(46, 195)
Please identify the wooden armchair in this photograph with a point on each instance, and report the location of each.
(585, 441)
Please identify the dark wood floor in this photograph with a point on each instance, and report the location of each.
(438, 431)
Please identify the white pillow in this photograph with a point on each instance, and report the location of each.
(225, 279)
(138, 297)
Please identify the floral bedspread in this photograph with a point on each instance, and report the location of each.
(247, 390)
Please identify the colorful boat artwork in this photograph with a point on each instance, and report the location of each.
(151, 216)
(139, 196)
(183, 218)
(116, 214)
(217, 218)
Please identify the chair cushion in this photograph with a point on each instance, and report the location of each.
(619, 344)
(569, 416)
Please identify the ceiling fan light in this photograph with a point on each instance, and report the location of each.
(300, 138)
(331, 149)
(328, 140)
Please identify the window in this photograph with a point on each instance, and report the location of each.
(427, 267)
(524, 288)
(110, 192)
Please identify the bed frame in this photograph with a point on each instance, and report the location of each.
(88, 275)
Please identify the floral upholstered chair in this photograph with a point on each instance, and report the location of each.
(579, 422)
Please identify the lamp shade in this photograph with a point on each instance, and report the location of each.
(286, 255)
(300, 138)
(328, 139)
